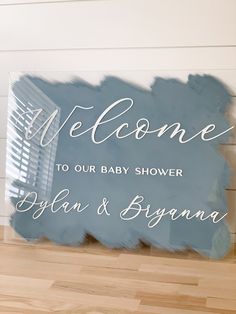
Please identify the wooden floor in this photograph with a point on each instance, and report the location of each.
(91, 279)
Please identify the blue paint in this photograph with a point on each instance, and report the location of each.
(199, 102)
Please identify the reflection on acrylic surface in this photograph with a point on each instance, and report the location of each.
(120, 180)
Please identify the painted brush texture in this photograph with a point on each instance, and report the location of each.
(195, 104)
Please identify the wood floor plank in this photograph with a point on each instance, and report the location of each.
(27, 283)
(45, 278)
(216, 292)
(188, 267)
(50, 271)
(12, 304)
(120, 287)
(221, 304)
(145, 309)
(139, 275)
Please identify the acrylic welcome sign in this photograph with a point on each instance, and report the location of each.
(120, 161)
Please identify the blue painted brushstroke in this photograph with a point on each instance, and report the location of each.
(200, 101)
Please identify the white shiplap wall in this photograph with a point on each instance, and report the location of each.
(165, 37)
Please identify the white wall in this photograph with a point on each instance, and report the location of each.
(167, 37)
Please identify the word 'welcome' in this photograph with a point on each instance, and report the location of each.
(141, 129)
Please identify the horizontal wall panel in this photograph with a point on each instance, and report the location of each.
(115, 24)
(2, 158)
(3, 117)
(201, 58)
(2, 197)
(139, 77)
(12, 2)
